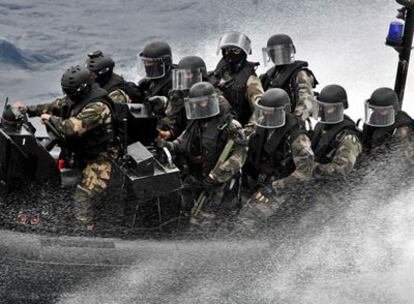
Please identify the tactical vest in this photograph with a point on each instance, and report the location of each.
(98, 140)
(270, 150)
(373, 137)
(206, 141)
(285, 78)
(114, 83)
(235, 89)
(327, 137)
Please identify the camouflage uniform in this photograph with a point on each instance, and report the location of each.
(298, 81)
(175, 119)
(242, 88)
(202, 144)
(120, 96)
(87, 134)
(344, 157)
(118, 89)
(336, 147)
(277, 160)
(400, 134)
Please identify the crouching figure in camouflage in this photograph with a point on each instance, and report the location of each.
(386, 126)
(336, 139)
(214, 149)
(83, 118)
(279, 156)
(101, 67)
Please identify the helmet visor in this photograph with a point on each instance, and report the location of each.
(379, 116)
(183, 79)
(234, 39)
(328, 113)
(202, 107)
(270, 118)
(152, 68)
(279, 54)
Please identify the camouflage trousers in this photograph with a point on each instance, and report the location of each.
(95, 180)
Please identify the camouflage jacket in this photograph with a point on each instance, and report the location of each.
(304, 161)
(344, 158)
(305, 96)
(298, 81)
(88, 133)
(120, 96)
(117, 89)
(399, 135)
(175, 119)
(242, 88)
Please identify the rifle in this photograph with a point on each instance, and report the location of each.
(203, 197)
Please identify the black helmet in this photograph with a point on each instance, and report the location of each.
(192, 63)
(157, 50)
(383, 97)
(157, 59)
(280, 50)
(190, 70)
(334, 94)
(381, 108)
(101, 65)
(274, 98)
(280, 39)
(270, 110)
(202, 101)
(76, 81)
(201, 89)
(329, 106)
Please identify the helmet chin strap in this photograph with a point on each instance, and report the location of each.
(103, 79)
(80, 95)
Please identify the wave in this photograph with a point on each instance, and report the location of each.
(13, 56)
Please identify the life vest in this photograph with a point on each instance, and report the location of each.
(327, 137)
(205, 142)
(98, 140)
(236, 86)
(285, 78)
(270, 150)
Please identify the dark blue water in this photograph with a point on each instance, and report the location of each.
(351, 259)
(343, 41)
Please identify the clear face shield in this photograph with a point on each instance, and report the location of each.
(183, 79)
(269, 118)
(234, 39)
(152, 68)
(376, 116)
(279, 54)
(202, 107)
(328, 113)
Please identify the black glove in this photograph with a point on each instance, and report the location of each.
(158, 104)
(210, 184)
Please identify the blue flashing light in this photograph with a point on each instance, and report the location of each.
(395, 31)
